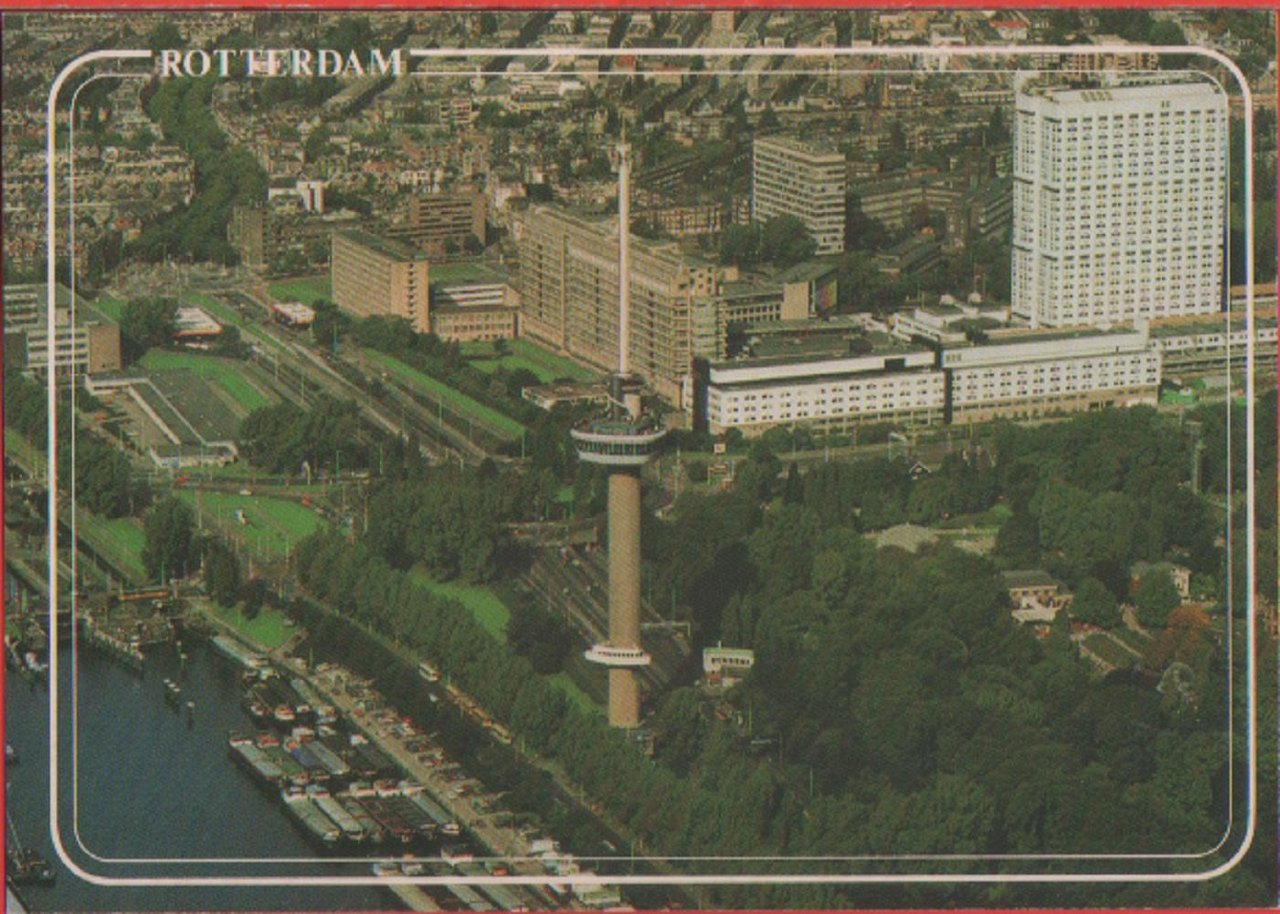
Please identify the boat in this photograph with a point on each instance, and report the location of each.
(172, 691)
(232, 650)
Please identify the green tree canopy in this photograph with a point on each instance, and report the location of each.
(170, 549)
(1094, 604)
(1156, 597)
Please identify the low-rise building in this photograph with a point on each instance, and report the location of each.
(810, 382)
(1027, 374)
(1036, 595)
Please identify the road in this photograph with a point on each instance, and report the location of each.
(575, 585)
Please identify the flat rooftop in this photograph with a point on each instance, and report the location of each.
(384, 246)
(464, 273)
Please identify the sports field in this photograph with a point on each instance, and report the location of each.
(218, 371)
(272, 525)
(456, 400)
(305, 290)
(482, 603)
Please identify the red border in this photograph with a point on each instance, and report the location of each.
(477, 5)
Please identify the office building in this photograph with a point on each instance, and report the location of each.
(791, 178)
(568, 285)
(83, 342)
(1025, 376)
(1119, 202)
(443, 223)
(376, 276)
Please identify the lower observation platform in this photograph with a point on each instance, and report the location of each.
(608, 655)
(617, 442)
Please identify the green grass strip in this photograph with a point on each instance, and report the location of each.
(303, 290)
(109, 307)
(273, 525)
(457, 400)
(481, 602)
(267, 628)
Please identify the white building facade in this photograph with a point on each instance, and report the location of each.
(1060, 372)
(827, 394)
(791, 178)
(1119, 202)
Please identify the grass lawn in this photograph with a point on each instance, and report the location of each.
(481, 602)
(120, 540)
(26, 453)
(1109, 651)
(578, 698)
(267, 628)
(305, 290)
(274, 524)
(523, 354)
(558, 366)
(491, 418)
(111, 307)
(512, 363)
(1136, 641)
(211, 369)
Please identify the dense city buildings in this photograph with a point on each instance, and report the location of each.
(443, 223)
(794, 178)
(1119, 201)
(377, 276)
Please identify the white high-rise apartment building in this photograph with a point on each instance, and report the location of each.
(1119, 202)
(791, 178)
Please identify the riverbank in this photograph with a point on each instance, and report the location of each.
(476, 812)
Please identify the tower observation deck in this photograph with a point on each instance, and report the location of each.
(623, 438)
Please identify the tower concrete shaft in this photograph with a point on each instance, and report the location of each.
(624, 591)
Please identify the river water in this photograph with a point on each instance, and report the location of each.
(154, 782)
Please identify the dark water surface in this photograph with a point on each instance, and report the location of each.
(155, 783)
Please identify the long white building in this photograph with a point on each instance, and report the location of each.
(1028, 376)
(1119, 202)
(829, 395)
(1018, 375)
(791, 178)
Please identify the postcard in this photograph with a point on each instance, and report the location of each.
(639, 458)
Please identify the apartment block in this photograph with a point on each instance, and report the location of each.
(792, 178)
(1119, 202)
(376, 276)
(568, 285)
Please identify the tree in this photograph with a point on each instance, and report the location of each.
(740, 244)
(170, 549)
(541, 637)
(1094, 604)
(785, 241)
(1156, 597)
(165, 35)
(221, 572)
(146, 322)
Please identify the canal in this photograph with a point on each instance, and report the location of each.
(156, 782)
